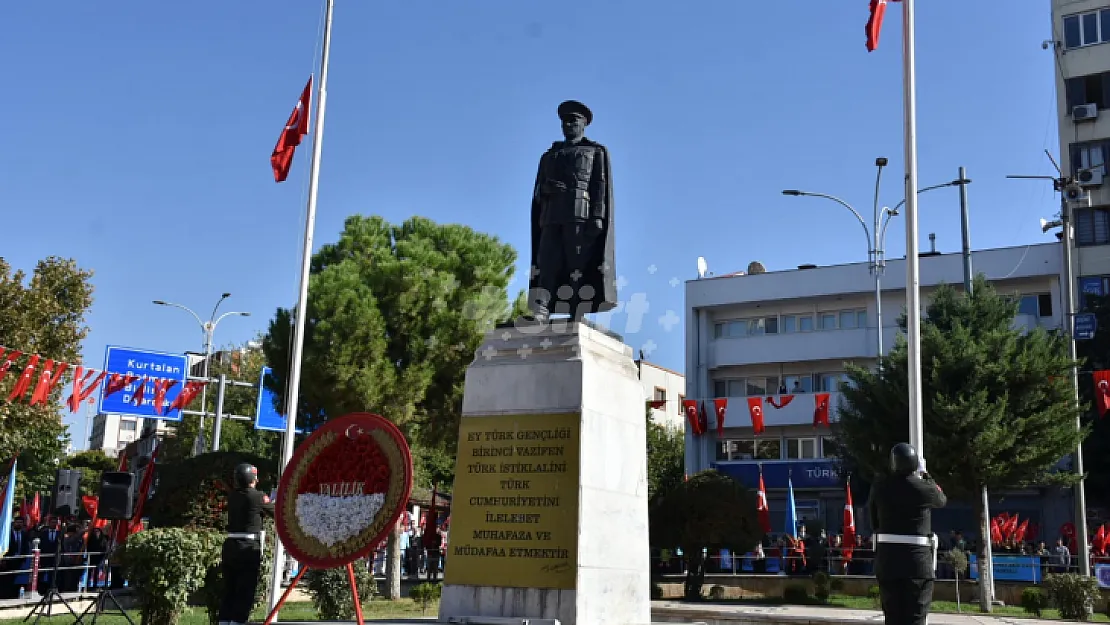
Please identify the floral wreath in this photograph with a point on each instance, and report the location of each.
(343, 490)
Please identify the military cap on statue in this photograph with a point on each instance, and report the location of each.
(574, 107)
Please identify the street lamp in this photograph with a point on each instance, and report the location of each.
(209, 329)
(875, 236)
(1066, 238)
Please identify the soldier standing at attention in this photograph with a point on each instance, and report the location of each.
(242, 552)
(906, 550)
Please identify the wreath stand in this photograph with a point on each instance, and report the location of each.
(293, 584)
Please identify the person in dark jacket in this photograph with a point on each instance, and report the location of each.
(19, 546)
(905, 558)
(242, 551)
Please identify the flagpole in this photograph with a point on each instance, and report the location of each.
(913, 269)
(293, 388)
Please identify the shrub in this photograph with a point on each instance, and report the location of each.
(331, 590)
(717, 593)
(656, 592)
(795, 593)
(957, 558)
(425, 594)
(165, 566)
(836, 585)
(822, 586)
(875, 596)
(1073, 595)
(1033, 601)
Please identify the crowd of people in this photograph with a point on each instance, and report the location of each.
(80, 547)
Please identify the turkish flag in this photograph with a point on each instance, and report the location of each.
(821, 409)
(875, 23)
(849, 524)
(996, 533)
(1102, 391)
(761, 507)
(690, 407)
(755, 408)
(295, 129)
(24, 381)
(720, 405)
(1019, 535)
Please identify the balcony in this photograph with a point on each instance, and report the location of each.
(821, 345)
(819, 473)
(798, 412)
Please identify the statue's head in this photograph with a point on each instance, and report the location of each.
(575, 117)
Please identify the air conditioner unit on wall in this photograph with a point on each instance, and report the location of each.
(1089, 178)
(1084, 112)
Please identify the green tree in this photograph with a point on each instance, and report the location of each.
(44, 315)
(1095, 355)
(666, 458)
(709, 511)
(997, 406)
(91, 463)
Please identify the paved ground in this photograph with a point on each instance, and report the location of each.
(664, 611)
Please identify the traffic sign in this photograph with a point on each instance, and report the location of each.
(1086, 324)
(140, 362)
(266, 416)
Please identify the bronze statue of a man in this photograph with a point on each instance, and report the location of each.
(572, 224)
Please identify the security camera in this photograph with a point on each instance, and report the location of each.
(1073, 192)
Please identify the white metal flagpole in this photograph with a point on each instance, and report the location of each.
(913, 292)
(293, 388)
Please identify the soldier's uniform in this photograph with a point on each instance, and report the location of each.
(905, 558)
(242, 551)
(571, 225)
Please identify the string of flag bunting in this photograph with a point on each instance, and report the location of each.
(85, 381)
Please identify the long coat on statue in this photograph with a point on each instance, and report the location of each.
(599, 270)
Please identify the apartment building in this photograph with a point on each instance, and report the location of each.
(111, 433)
(789, 334)
(1081, 45)
(663, 385)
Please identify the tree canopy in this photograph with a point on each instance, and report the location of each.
(91, 463)
(997, 406)
(395, 314)
(666, 458)
(43, 314)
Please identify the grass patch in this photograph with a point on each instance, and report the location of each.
(378, 609)
(940, 607)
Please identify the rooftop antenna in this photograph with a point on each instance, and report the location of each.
(703, 267)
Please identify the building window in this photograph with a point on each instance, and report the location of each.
(1086, 29)
(681, 398)
(828, 447)
(1090, 89)
(660, 394)
(829, 382)
(747, 449)
(1039, 305)
(1092, 226)
(799, 383)
(1090, 155)
(797, 323)
(801, 448)
(740, 328)
(746, 387)
(128, 426)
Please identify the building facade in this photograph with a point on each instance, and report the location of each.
(785, 336)
(111, 433)
(1081, 44)
(663, 385)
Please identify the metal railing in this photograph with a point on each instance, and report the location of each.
(28, 576)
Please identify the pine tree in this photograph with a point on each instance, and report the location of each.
(997, 402)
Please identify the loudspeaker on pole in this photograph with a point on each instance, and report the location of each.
(67, 484)
(117, 496)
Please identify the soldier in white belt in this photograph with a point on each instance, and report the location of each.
(241, 560)
(906, 550)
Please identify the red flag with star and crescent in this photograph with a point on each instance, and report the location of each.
(690, 408)
(755, 408)
(295, 130)
(849, 524)
(1102, 392)
(720, 406)
(761, 507)
(875, 23)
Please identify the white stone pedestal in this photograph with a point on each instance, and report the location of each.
(549, 510)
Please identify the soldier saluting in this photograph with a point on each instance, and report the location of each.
(906, 550)
(241, 560)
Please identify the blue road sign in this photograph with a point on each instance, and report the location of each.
(1086, 324)
(140, 362)
(266, 416)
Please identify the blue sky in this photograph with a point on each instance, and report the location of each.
(138, 134)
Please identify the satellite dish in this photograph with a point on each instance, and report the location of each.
(703, 267)
(755, 268)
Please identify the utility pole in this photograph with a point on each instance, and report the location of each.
(217, 428)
